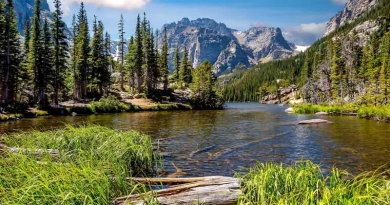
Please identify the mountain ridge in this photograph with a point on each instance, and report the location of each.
(224, 47)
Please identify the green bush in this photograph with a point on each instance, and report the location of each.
(109, 104)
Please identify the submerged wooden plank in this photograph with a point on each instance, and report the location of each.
(216, 190)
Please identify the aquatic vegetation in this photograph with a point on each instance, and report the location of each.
(378, 112)
(304, 183)
(91, 166)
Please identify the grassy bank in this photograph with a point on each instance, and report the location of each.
(303, 183)
(90, 166)
(369, 112)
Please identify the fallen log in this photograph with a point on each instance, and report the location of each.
(216, 190)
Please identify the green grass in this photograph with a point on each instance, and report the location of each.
(91, 167)
(4, 118)
(303, 183)
(369, 112)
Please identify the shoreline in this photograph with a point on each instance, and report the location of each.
(377, 113)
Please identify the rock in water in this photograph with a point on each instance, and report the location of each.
(321, 113)
(289, 110)
(314, 121)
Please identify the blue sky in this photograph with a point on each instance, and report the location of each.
(302, 21)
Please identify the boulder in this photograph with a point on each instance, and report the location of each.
(314, 121)
(74, 114)
(289, 110)
(321, 113)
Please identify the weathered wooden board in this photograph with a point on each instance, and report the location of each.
(216, 190)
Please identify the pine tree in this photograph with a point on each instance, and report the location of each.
(384, 77)
(139, 55)
(157, 71)
(131, 62)
(35, 55)
(27, 37)
(61, 50)
(12, 54)
(336, 69)
(176, 64)
(98, 58)
(121, 49)
(45, 71)
(374, 69)
(185, 72)
(152, 62)
(145, 67)
(2, 21)
(165, 60)
(108, 60)
(73, 58)
(83, 50)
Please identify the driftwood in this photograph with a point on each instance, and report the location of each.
(15, 150)
(205, 190)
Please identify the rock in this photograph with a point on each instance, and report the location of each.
(12, 119)
(314, 121)
(353, 10)
(321, 113)
(74, 114)
(129, 97)
(137, 96)
(289, 110)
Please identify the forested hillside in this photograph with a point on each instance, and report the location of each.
(43, 68)
(351, 64)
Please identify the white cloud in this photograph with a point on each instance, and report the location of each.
(340, 1)
(305, 34)
(118, 4)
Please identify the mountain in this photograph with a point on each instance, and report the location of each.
(24, 10)
(353, 10)
(349, 64)
(224, 47)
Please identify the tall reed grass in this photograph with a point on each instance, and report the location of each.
(303, 183)
(91, 167)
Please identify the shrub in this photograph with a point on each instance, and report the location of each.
(109, 104)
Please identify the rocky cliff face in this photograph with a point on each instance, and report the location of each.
(353, 10)
(226, 48)
(25, 10)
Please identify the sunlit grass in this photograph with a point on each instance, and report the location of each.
(377, 112)
(303, 183)
(91, 167)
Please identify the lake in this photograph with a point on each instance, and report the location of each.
(204, 143)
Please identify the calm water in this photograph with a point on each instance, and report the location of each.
(222, 142)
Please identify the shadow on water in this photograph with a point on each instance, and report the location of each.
(200, 143)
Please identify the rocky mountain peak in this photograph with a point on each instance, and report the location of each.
(353, 10)
(24, 10)
(224, 47)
